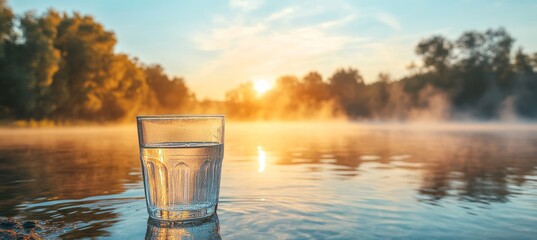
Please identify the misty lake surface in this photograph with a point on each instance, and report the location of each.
(288, 181)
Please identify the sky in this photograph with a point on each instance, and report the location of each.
(217, 45)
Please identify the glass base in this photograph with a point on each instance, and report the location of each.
(207, 228)
(182, 215)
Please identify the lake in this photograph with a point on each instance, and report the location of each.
(288, 181)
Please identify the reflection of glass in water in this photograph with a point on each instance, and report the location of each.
(182, 179)
(208, 229)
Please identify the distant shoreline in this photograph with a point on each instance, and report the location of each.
(318, 125)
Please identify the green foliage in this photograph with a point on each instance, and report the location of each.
(39, 61)
(171, 93)
(473, 77)
(378, 93)
(86, 73)
(63, 67)
(522, 63)
(6, 33)
(348, 87)
(6, 25)
(478, 77)
(242, 102)
(436, 53)
(314, 90)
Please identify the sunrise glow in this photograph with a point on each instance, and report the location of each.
(261, 86)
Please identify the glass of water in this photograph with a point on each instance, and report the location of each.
(181, 164)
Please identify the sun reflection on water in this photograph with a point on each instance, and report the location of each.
(261, 159)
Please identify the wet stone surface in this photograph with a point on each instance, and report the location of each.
(19, 229)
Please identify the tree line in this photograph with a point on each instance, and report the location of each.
(474, 77)
(63, 67)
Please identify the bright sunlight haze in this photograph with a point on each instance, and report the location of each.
(261, 86)
(219, 45)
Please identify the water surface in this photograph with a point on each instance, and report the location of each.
(289, 181)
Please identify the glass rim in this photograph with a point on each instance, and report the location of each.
(179, 116)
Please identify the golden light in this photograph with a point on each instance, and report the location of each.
(261, 86)
(261, 159)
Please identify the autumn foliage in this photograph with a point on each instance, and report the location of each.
(64, 67)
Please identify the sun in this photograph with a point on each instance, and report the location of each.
(261, 86)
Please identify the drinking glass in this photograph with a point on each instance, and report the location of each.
(181, 163)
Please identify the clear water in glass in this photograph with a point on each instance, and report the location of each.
(182, 180)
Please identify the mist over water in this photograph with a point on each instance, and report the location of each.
(447, 150)
(290, 180)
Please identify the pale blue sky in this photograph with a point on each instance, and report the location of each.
(215, 45)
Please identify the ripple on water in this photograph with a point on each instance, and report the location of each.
(370, 158)
(394, 184)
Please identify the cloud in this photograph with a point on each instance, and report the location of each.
(389, 21)
(228, 37)
(246, 47)
(270, 52)
(245, 5)
(246, 51)
(337, 22)
(284, 13)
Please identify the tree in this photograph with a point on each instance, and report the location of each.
(534, 60)
(128, 92)
(64, 67)
(522, 62)
(84, 75)
(525, 91)
(241, 102)
(6, 25)
(170, 93)
(314, 88)
(470, 50)
(484, 76)
(378, 94)
(498, 51)
(488, 51)
(346, 86)
(345, 83)
(39, 61)
(6, 69)
(436, 53)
